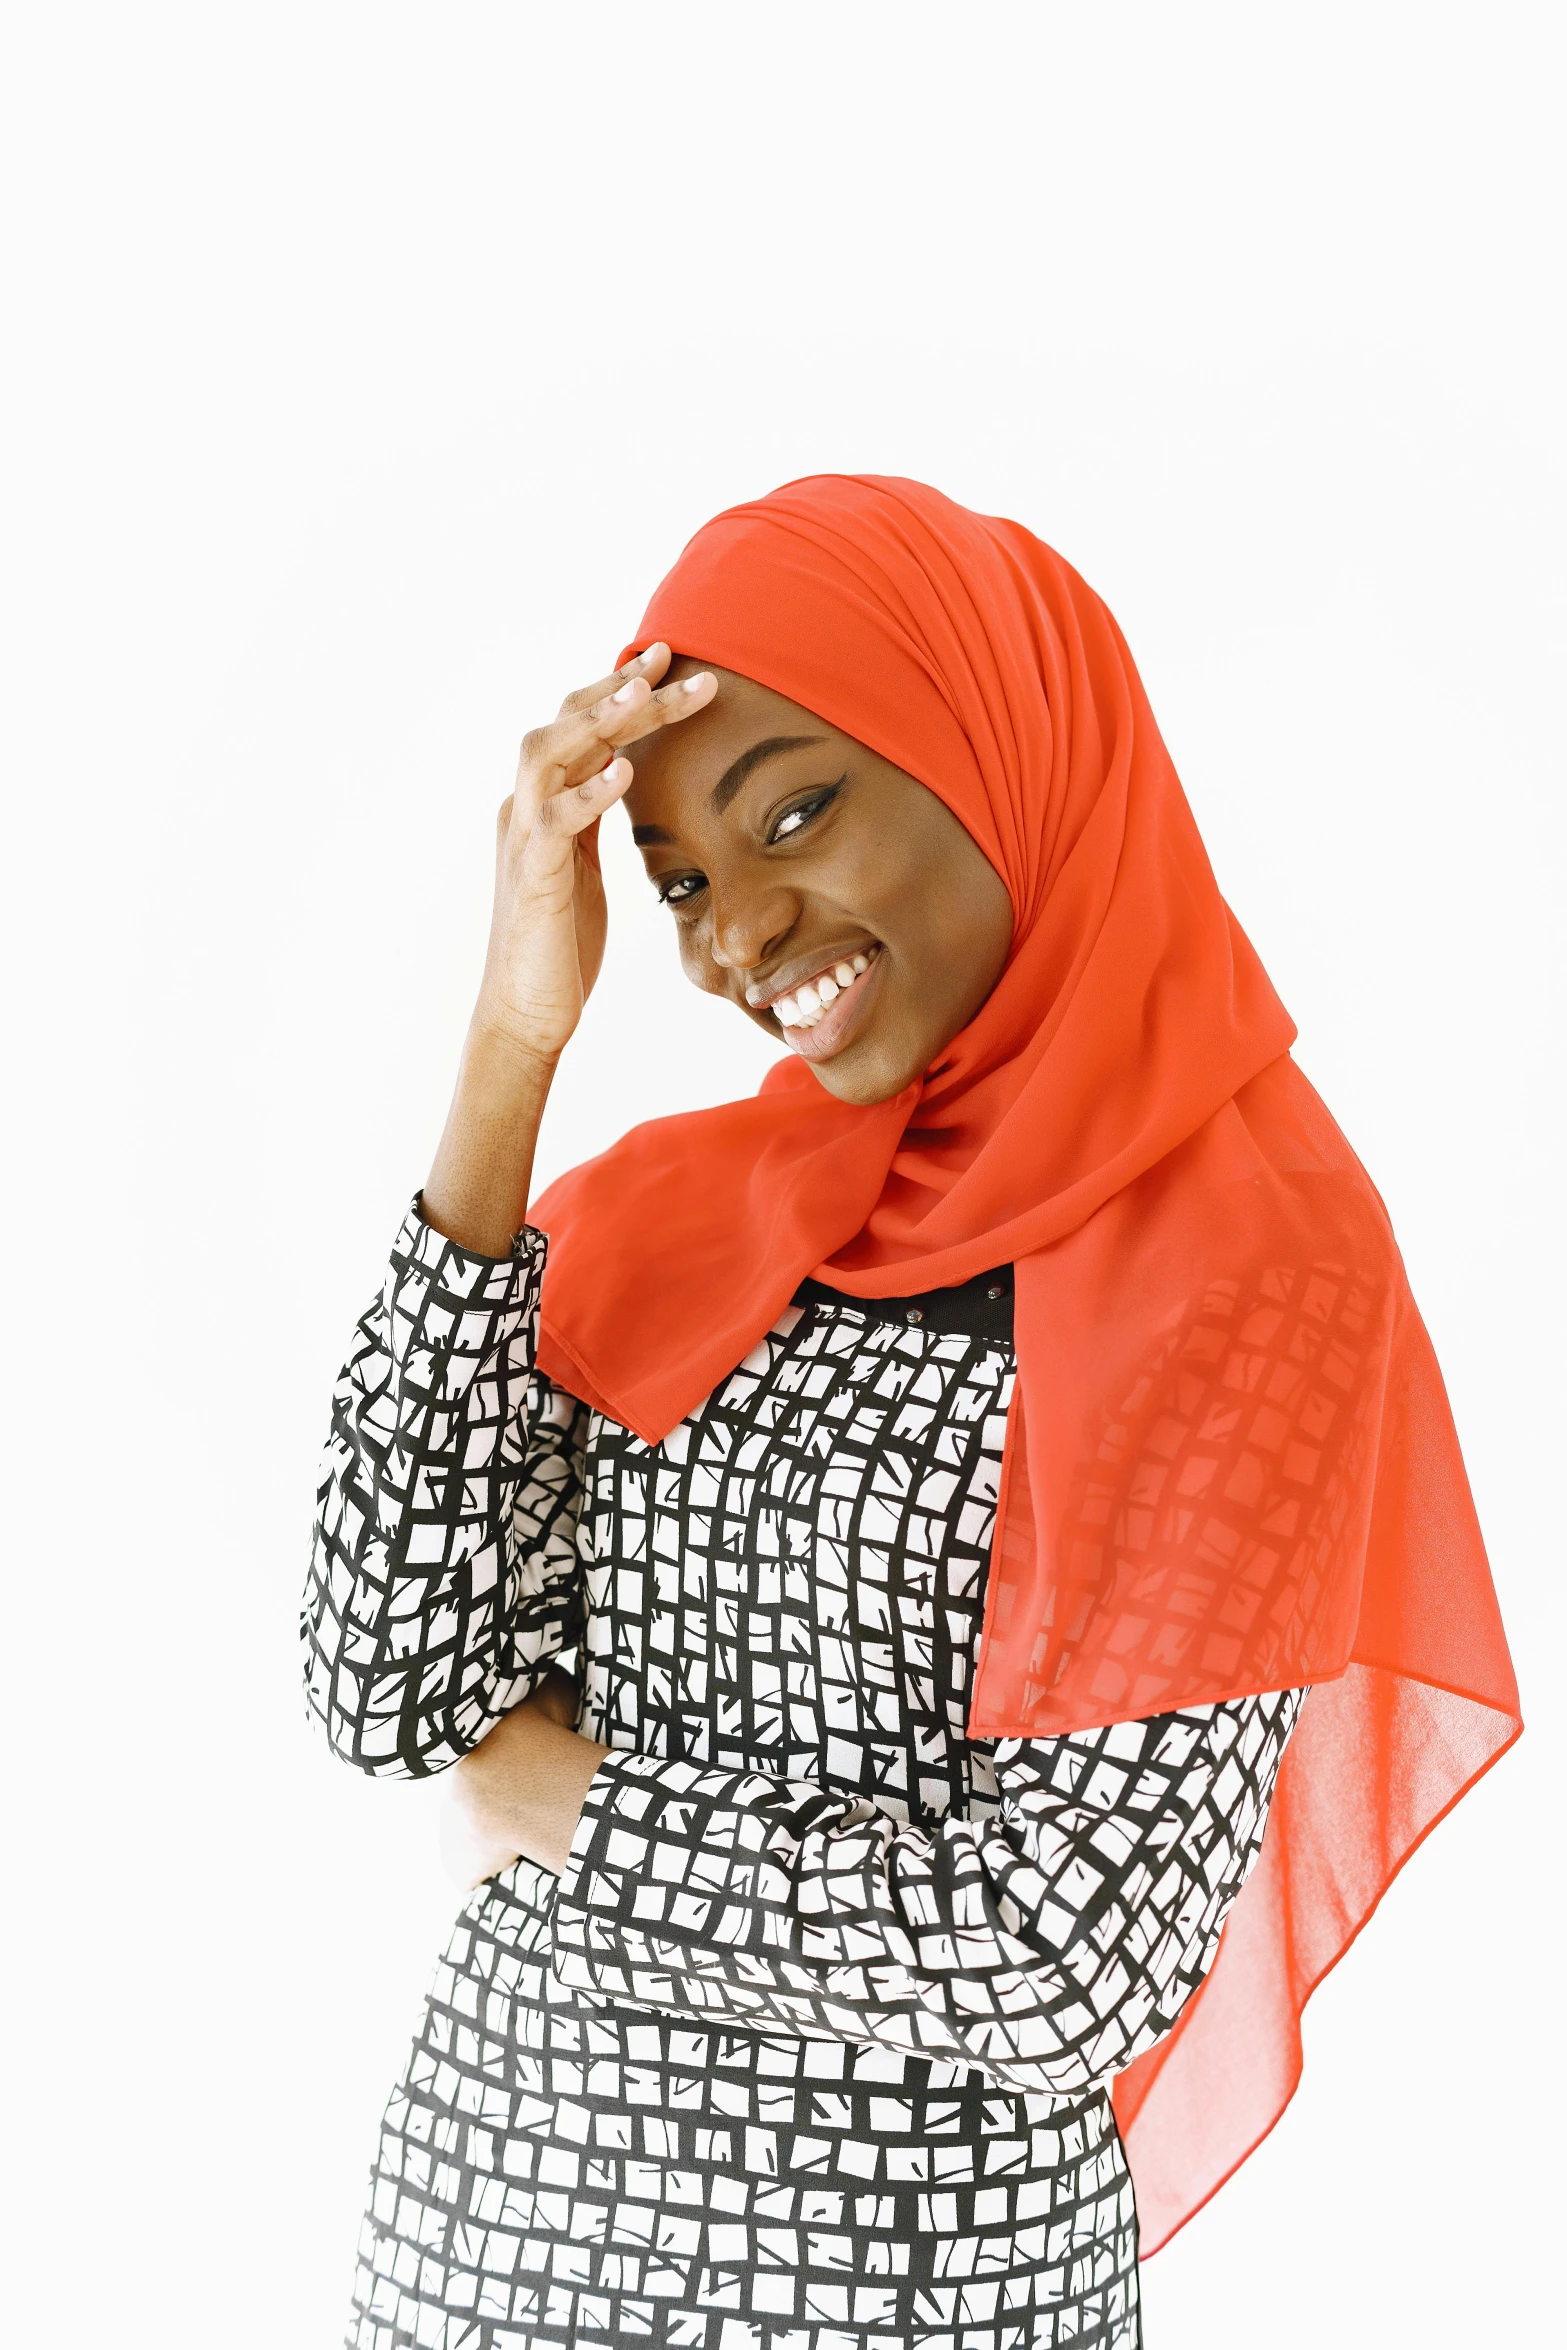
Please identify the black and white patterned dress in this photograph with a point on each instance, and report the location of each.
(810, 2046)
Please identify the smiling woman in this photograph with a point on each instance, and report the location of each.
(994, 1486)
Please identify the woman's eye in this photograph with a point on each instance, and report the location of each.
(678, 891)
(796, 818)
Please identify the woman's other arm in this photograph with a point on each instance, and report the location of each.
(1047, 1946)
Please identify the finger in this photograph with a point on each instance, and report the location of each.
(669, 706)
(634, 709)
(651, 663)
(555, 757)
(575, 744)
(572, 811)
(642, 714)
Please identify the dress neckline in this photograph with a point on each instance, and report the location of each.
(980, 1308)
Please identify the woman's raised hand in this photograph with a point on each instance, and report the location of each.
(546, 942)
(547, 928)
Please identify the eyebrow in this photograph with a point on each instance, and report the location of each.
(650, 836)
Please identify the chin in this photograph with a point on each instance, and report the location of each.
(862, 1085)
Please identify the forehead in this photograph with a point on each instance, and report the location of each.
(691, 756)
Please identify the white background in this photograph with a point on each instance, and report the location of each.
(369, 365)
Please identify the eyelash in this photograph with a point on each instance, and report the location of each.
(806, 810)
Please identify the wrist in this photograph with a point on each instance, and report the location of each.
(476, 1192)
(502, 1069)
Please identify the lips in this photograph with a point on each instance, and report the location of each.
(815, 1035)
(806, 1003)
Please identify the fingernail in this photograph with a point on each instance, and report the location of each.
(694, 685)
(625, 692)
(648, 651)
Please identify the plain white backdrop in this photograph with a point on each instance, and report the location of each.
(369, 365)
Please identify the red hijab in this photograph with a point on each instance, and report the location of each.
(1230, 1462)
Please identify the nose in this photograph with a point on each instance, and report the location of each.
(747, 927)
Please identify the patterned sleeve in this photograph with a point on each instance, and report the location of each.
(444, 1574)
(1048, 1945)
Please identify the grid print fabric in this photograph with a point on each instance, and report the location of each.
(793, 1578)
(444, 1572)
(1049, 1946)
(808, 2049)
(556, 2170)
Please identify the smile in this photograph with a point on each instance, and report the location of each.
(807, 1003)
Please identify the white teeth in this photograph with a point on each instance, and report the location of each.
(805, 1007)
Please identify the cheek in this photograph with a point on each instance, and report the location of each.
(886, 888)
(695, 961)
(949, 951)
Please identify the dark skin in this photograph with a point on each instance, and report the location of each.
(824, 849)
(788, 854)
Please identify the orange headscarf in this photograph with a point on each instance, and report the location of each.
(1230, 1462)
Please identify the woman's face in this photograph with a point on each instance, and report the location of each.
(791, 857)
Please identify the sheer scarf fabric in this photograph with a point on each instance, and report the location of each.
(1230, 1462)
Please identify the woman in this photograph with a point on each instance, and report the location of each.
(984, 1482)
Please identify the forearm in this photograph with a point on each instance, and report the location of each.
(444, 1572)
(1047, 1945)
(546, 944)
(477, 1191)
